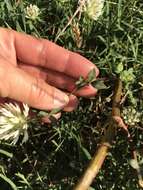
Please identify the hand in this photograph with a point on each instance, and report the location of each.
(33, 70)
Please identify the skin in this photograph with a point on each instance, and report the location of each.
(40, 73)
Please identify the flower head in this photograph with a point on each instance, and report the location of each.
(93, 8)
(13, 122)
(128, 76)
(131, 116)
(32, 12)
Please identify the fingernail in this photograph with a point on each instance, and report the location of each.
(60, 99)
(72, 105)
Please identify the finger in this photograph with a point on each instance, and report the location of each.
(20, 86)
(42, 52)
(72, 105)
(58, 80)
(87, 91)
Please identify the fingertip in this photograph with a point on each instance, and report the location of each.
(72, 105)
(60, 99)
(87, 91)
(78, 65)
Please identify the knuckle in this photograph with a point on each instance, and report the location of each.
(43, 52)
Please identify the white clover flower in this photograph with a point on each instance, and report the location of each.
(93, 8)
(131, 116)
(13, 122)
(32, 12)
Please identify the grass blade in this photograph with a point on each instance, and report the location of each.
(6, 179)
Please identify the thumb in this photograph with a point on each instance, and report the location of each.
(35, 92)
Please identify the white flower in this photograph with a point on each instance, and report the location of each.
(32, 12)
(13, 122)
(93, 8)
(131, 116)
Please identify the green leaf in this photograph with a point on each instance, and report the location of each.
(83, 82)
(80, 80)
(99, 85)
(91, 76)
(87, 154)
(43, 113)
(55, 111)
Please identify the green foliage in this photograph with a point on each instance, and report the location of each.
(83, 82)
(91, 79)
(119, 68)
(55, 156)
(127, 76)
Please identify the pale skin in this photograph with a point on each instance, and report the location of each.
(40, 73)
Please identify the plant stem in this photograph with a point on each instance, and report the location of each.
(99, 157)
(70, 21)
(92, 169)
(116, 107)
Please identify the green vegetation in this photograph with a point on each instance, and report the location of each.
(55, 156)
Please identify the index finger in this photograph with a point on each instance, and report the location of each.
(44, 53)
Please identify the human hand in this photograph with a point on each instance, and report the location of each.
(33, 70)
